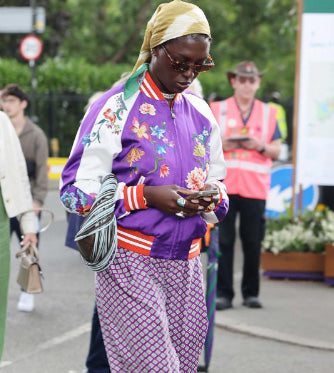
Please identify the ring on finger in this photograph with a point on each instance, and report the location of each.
(211, 206)
(181, 202)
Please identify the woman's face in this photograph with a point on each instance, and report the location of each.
(186, 49)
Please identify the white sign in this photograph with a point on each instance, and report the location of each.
(315, 150)
(16, 20)
(31, 47)
(280, 194)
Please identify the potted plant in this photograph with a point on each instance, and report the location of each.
(295, 248)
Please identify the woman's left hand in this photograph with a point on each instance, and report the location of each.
(208, 203)
(29, 237)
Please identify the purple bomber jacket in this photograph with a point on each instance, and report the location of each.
(142, 140)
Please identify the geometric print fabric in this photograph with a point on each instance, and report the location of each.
(152, 313)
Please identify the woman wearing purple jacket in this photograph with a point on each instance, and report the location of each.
(163, 144)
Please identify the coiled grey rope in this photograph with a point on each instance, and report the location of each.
(99, 229)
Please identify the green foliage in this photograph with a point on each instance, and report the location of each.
(103, 31)
(263, 31)
(88, 44)
(60, 75)
(12, 71)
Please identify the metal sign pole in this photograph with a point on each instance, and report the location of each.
(32, 65)
(296, 104)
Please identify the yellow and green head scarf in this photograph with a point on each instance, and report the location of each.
(171, 20)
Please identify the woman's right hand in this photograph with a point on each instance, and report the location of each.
(164, 198)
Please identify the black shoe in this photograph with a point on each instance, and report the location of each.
(252, 302)
(223, 303)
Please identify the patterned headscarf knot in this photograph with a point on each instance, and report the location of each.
(169, 21)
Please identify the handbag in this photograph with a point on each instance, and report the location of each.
(30, 273)
(97, 237)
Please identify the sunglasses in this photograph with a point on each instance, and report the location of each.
(183, 66)
(243, 79)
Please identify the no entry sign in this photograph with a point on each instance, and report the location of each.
(31, 47)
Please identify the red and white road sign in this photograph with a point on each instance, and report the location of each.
(31, 47)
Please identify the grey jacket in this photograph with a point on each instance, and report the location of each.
(35, 149)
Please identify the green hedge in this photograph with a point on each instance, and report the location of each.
(78, 76)
(57, 75)
(63, 87)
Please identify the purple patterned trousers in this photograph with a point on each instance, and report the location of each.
(152, 313)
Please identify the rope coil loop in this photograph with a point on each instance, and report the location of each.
(97, 237)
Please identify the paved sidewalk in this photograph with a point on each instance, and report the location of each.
(295, 312)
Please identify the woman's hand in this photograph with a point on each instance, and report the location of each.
(29, 237)
(171, 199)
(208, 203)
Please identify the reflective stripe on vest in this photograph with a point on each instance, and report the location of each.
(265, 122)
(223, 118)
(235, 163)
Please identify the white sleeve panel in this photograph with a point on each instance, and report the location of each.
(97, 158)
(217, 169)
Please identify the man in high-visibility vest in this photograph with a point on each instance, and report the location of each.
(251, 139)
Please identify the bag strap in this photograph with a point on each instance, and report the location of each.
(42, 209)
(28, 249)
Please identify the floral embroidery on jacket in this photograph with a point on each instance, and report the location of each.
(133, 156)
(147, 109)
(156, 136)
(196, 178)
(110, 116)
(160, 145)
(140, 129)
(157, 131)
(120, 106)
(69, 200)
(109, 121)
(86, 140)
(77, 201)
(201, 147)
(164, 170)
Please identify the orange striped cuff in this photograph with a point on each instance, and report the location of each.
(134, 197)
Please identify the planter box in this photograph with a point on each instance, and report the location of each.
(329, 264)
(306, 266)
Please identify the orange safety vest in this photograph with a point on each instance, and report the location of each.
(248, 171)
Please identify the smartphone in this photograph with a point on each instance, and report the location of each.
(203, 193)
(244, 138)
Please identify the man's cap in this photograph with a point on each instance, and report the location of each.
(245, 68)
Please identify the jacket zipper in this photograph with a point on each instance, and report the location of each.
(177, 145)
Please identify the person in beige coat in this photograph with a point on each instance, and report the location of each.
(15, 199)
(35, 149)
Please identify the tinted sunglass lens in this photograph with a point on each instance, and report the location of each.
(243, 79)
(180, 66)
(203, 68)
